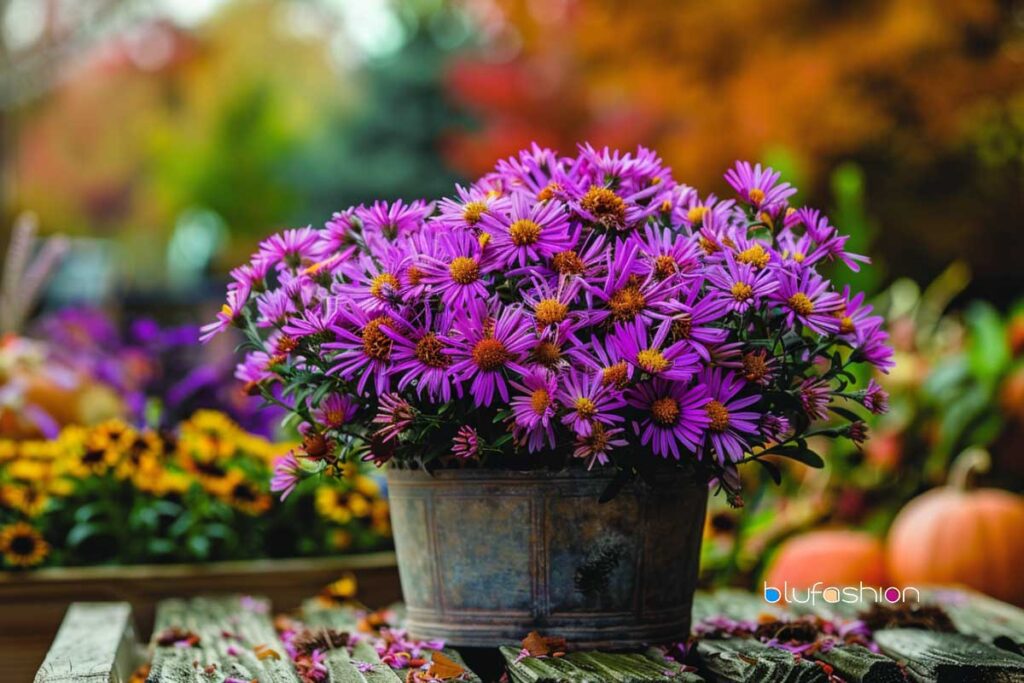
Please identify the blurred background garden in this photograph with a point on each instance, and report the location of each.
(150, 145)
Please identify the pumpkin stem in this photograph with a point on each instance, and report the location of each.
(972, 461)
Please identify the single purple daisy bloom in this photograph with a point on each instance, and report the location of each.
(389, 220)
(394, 415)
(466, 211)
(625, 295)
(466, 444)
(759, 187)
(653, 353)
(287, 473)
(290, 248)
(336, 411)
(691, 319)
(815, 395)
(527, 232)
(483, 346)
(456, 267)
(740, 285)
(594, 447)
(873, 346)
(673, 415)
(551, 304)
(230, 314)
(730, 427)
(587, 401)
(419, 355)
(534, 409)
(667, 253)
(875, 398)
(808, 300)
(364, 348)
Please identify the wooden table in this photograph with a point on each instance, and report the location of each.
(740, 639)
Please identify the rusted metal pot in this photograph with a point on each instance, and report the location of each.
(487, 556)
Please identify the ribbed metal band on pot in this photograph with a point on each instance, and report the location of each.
(487, 556)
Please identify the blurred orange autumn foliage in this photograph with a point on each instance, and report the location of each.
(706, 83)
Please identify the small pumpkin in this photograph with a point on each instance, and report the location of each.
(828, 557)
(955, 534)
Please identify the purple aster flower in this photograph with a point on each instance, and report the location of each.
(673, 415)
(625, 295)
(389, 220)
(287, 473)
(538, 171)
(605, 361)
(317, 322)
(875, 398)
(806, 298)
(456, 267)
(694, 213)
(274, 308)
(534, 409)
(290, 248)
(230, 314)
(364, 348)
(873, 346)
(758, 187)
(740, 284)
(336, 411)
(595, 446)
(484, 346)
(527, 232)
(255, 369)
(419, 354)
(652, 353)
(587, 401)
(815, 394)
(730, 427)
(466, 211)
(855, 316)
(667, 253)
(394, 415)
(691, 317)
(466, 444)
(551, 303)
(338, 233)
(602, 206)
(773, 427)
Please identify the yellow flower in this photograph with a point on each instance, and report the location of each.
(341, 539)
(244, 495)
(367, 486)
(332, 504)
(343, 589)
(29, 500)
(8, 450)
(145, 450)
(22, 545)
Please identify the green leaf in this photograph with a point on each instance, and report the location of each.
(773, 470)
(804, 455)
(80, 533)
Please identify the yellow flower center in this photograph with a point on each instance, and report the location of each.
(524, 232)
(540, 400)
(483, 239)
(756, 256)
(605, 206)
(741, 291)
(472, 212)
(696, 214)
(626, 303)
(585, 408)
(568, 263)
(756, 195)
(665, 411)
(430, 351)
(548, 192)
(682, 326)
(665, 266)
(616, 375)
(377, 344)
(550, 312)
(719, 416)
(381, 284)
(464, 270)
(846, 325)
(652, 360)
(414, 275)
(755, 367)
(547, 354)
(801, 304)
(709, 246)
(490, 354)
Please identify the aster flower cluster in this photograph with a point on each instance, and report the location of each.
(562, 309)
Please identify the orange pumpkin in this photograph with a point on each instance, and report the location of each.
(830, 557)
(957, 535)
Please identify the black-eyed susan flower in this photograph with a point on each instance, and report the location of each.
(22, 545)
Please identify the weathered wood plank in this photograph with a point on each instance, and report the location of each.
(857, 664)
(197, 639)
(981, 616)
(95, 644)
(744, 660)
(949, 657)
(546, 670)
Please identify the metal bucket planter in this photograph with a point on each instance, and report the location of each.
(486, 556)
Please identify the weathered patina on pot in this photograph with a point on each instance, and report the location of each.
(487, 556)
